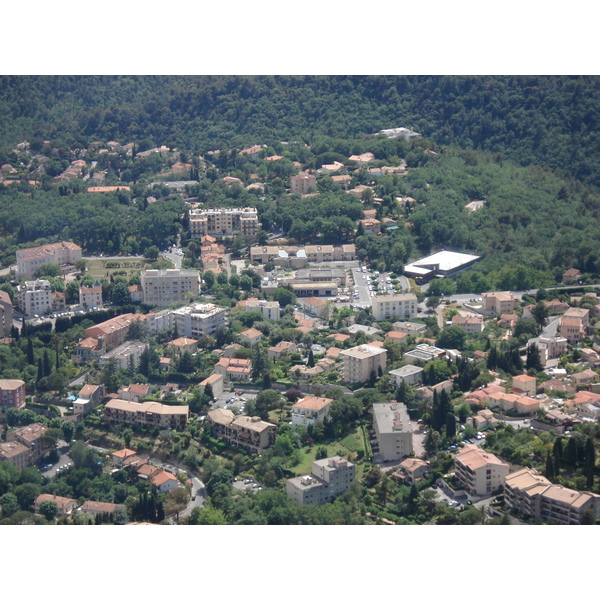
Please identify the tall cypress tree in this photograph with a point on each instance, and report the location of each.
(590, 463)
(549, 466)
(30, 355)
(47, 364)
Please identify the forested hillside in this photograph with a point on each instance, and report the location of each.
(551, 121)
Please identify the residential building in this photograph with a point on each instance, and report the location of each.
(89, 397)
(120, 456)
(532, 495)
(87, 349)
(549, 348)
(164, 482)
(12, 394)
(521, 405)
(91, 297)
(318, 288)
(497, 303)
(58, 301)
(283, 347)
(146, 414)
(235, 369)
(34, 297)
(136, 293)
(526, 383)
(135, 392)
(303, 183)
(183, 345)
(6, 309)
(471, 325)
(409, 374)
(361, 361)
(585, 376)
(411, 470)
(329, 478)
(113, 331)
(65, 506)
(126, 355)
(32, 437)
(480, 472)
(370, 225)
(251, 336)
(93, 508)
(400, 306)
(309, 410)
(250, 433)
(268, 309)
(197, 320)
(314, 306)
(164, 287)
(572, 329)
(362, 159)
(63, 254)
(220, 222)
(393, 431)
(408, 327)
(216, 383)
(571, 276)
(398, 337)
(424, 353)
(16, 454)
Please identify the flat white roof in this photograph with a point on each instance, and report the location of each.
(445, 260)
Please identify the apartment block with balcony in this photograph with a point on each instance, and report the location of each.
(32, 437)
(401, 306)
(12, 394)
(34, 297)
(269, 309)
(219, 222)
(251, 433)
(164, 287)
(479, 472)
(146, 414)
(329, 478)
(361, 361)
(197, 320)
(393, 431)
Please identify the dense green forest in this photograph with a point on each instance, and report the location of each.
(551, 121)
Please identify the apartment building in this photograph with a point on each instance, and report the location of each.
(126, 355)
(164, 287)
(393, 430)
(268, 309)
(91, 297)
(250, 433)
(220, 222)
(400, 306)
(16, 454)
(470, 325)
(572, 329)
(532, 495)
(63, 254)
(6, 309)
(298, 256)
(32, 437)
(89, 397)
(113, 331)
(310, 409)
(497, 303)
(549, 347)
(408, 327)
(12, 394)
(197, 320)
(303, 183)
(215, 381)
(235, 369)
(146, 414)
(409, 374)
(424, 353)
(361, 361)
(329, 478)
(34, 297)
(480, 472)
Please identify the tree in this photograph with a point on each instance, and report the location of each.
(590, 463)
(48, 510)
(68, 429)
(452, 337)
(209, 278)
(534, 361)
(450, 425)
(9, 503)
(120, 294)
(549, 466)
(540, 314)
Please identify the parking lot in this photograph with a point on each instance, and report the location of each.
(233, 400)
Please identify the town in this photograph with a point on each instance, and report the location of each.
(231, 358)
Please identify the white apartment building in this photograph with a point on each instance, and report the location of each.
(124, 354)
(161, 288)
(269, 309)
(91, 297)
(197, 320)
(401, 306)
(29, 260)
(219, 222)
(479, 472)
(360, 361)
(34, 297)
(330, 477)
(310, 409)
(408, 374)
(393, 430)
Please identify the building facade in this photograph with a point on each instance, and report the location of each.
(221, 222)
(197, 320)
(146, 414)
(393, 430)
(310, 409)
(480, 472)
(6, 310)
(400, 306)
(34, 297)
(250, 433)
(164, 287)
(12, 394)
(361, 361)
(29, 260)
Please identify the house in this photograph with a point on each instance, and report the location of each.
(314, 306)
(329, 478)
(362, 159)
(586, 376)
(283, 347)
(119, 456)
(532, 495)
(572, 329)
(424, 353)
(251, 336)
(498, 303)
(409, 328)
(135, 392)
(65, 506)
(126, 356)
(91, 297)
(471, 325)
(183, 345)
(309, 410)
(484, 419)
(235, 369)
(165, 482)
(250, 433)
(268, 309)
(93, 508)
(571, 276)
(393, 431)
(409, 374)
(480, 472)
(411, 470)
(88, 398)
(370, 225)
(215, 381)
(136, 293)
(526, 383)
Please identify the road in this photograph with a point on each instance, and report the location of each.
(198, 497)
